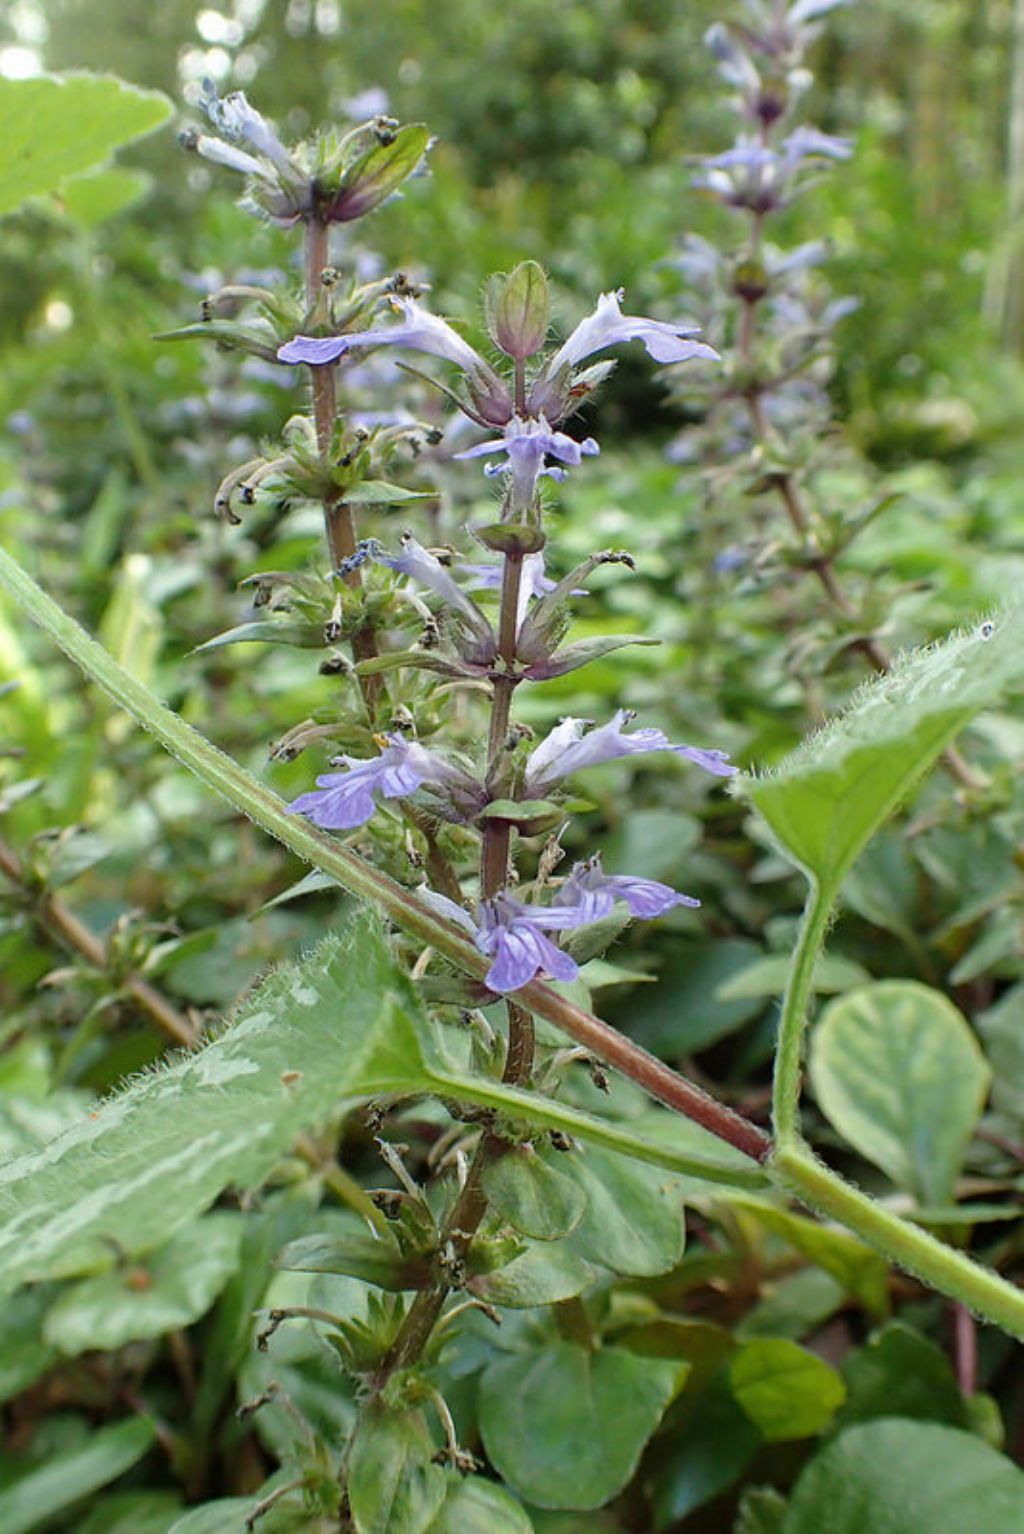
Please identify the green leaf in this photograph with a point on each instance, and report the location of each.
(289, 631)
(393, 1487)
(132, 1512)
(761, 1511)
(572, 656)
(899, 1373)
(35, 1498)
(54, 127)
(767, 977)
(153, 1157)
(92, 199)
(861, 1271)
(900, 1075)
(896, 1477)
(228, 1515)
(374, 1259)
(476, 1506)
(381, 171)
(687, 1012)
(378, 492)
(174, 1287)
(717, 1443)
(634, 1216)
(566, 1426)
(533, 1195)
(826, 800)
(784, 1390)
(24, 1352)
(542, 1275)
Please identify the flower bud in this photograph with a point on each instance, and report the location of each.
(519, 310)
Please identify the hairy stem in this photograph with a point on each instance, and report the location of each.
(793, 1021)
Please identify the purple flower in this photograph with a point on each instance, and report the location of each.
(526, 442)
(344, 800)
(420, 565)
(809, 10)
(514, 935)
(595, 893)
(570, 746)
(608, 326)
(241, 123)
(419, 331)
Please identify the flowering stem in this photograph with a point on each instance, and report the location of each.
(497, 834)
(339, 525)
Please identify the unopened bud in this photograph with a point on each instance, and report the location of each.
(519, 310)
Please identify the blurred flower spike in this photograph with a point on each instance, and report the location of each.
(331, 179)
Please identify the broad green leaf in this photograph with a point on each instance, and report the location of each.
(544, 1274)
(477, 1506)
(34, 1499)
(393, 1486)
(565, 1426)
(900, 1373)
(54, 127)
(379, 492)
(898, 1477)
(793, 1306)
(173, 1287)
(900, 1075)
(25, 1353)
(784, 1390)
(92, 199)
(767, 977)
(315, 1035)
(826, 800)
(709, 1454)
(533, 1194)
(760, 1512)
(686, 1011)
(861, 1271)
(634, 1213)
(228, 1515)
(132, 1512)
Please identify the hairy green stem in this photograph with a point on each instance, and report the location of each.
(324, 852)
(793, 1021)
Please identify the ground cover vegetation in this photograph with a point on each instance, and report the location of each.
(510, 877)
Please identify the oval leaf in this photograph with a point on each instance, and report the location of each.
(784, 1390)
(900, 1075)
(534, 1196)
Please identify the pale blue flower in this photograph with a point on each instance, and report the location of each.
(514, 935)
(343, 800)
(595, 893)
(608, 326)
(573, 745)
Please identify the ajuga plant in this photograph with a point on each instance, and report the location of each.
(456, 1293)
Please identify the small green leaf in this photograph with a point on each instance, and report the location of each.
(900, 1075)
(24, 1352)
(784, 1390)
(393, 1487)
(634, 1217)
(899, 1373)
(378, 492)
(718, 1442)
(174, 1287)
(542, 1275)
(767, 977)
(54, 127)
(826, 800)
(477, 1506)
(565, 1426)
(897, 1477)
(380, 172)
(374, 1259)
(289, 631)
(533, 1195)
(861, 1271)
(35, 1498)
(133, 1512)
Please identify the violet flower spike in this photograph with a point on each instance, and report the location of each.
(608, 326)
(343, 800)
(595, 893)
(570, 747)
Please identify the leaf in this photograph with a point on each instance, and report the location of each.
(35, 1498)
(173, 1288)
(581, 653)
(784, 1390)
(304, 636)
(228, 1515)
(896, 1477)
(634, 1213)
(687, 1013)
(373, 1259)
(476, 1506)
(533, 1195)
(711, 1453)
(900, 1075)
(101, 194)
(827, 799)
(132, 1512)
(393, 1487)
(900, 1373)
(542, 1275)
(767, 977)
(152, 1158)
(566, 1426)
(862, 1272)
(761, 1511)
(381, 171)
(24, 1352)
(378, 492)
(56, 126)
